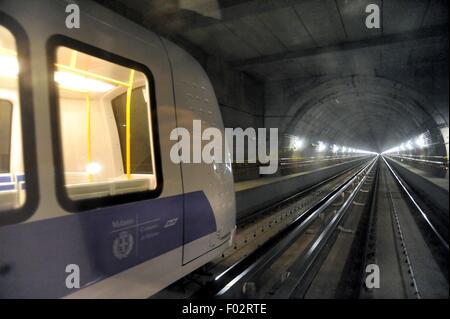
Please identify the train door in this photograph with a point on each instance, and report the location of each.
(209, 200)
(114, 152)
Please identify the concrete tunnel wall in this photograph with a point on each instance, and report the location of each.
(269, 72)
(367, 112)
(411, 105)
(251, 199)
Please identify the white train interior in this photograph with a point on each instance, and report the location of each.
(105, 124)
(12, 179)
(105, 121)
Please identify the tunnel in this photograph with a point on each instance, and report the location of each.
(303, 64)
(313, 70)
(106, 115)
(359, 109)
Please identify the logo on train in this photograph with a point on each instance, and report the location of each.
(123, 245)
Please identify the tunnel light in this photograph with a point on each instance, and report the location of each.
(93, 168)
(365, 152)
(321, 146)
(9, 66)
(421, 141)
(409, 146)
(344, 149)
(297, 143)
(335, 148)
(392, 150)
(81, 83)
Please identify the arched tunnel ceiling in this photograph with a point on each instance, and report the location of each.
(364, 112)
(391, 83)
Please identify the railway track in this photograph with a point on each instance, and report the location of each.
(316, 226)
(408, 248)
(365, 217)
(398, 238)
(333, 181)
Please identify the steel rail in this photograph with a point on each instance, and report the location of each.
(242, 220)
(419, 209)
(309, 258)
(271, 250)
(400, 237)
(418, 160)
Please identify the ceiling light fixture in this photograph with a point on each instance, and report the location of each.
(81, 83)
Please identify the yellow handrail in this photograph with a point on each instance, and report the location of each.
(88, 124)
(73, 59)
(128, 123)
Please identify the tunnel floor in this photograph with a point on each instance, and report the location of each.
(381, 227)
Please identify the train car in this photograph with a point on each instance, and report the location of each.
(88, 190)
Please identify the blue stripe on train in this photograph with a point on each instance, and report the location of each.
(102, 242)
(7, 186)
(5, 178)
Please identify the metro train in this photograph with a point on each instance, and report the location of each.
(91, 205)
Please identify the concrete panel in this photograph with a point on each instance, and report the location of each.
(367, 58)
(251, 30)
(240, 96)
(403, 15)
(218, 38)
(437, 13)
(323, 21)
(429, 53)
(395, 55)
(285, 24)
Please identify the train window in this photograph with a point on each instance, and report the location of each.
(12, 179)
(105, 126)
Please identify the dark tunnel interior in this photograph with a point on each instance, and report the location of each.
(309, 70)
(224, 149)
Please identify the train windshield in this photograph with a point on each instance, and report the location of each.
(106, 132)
(12, 178)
